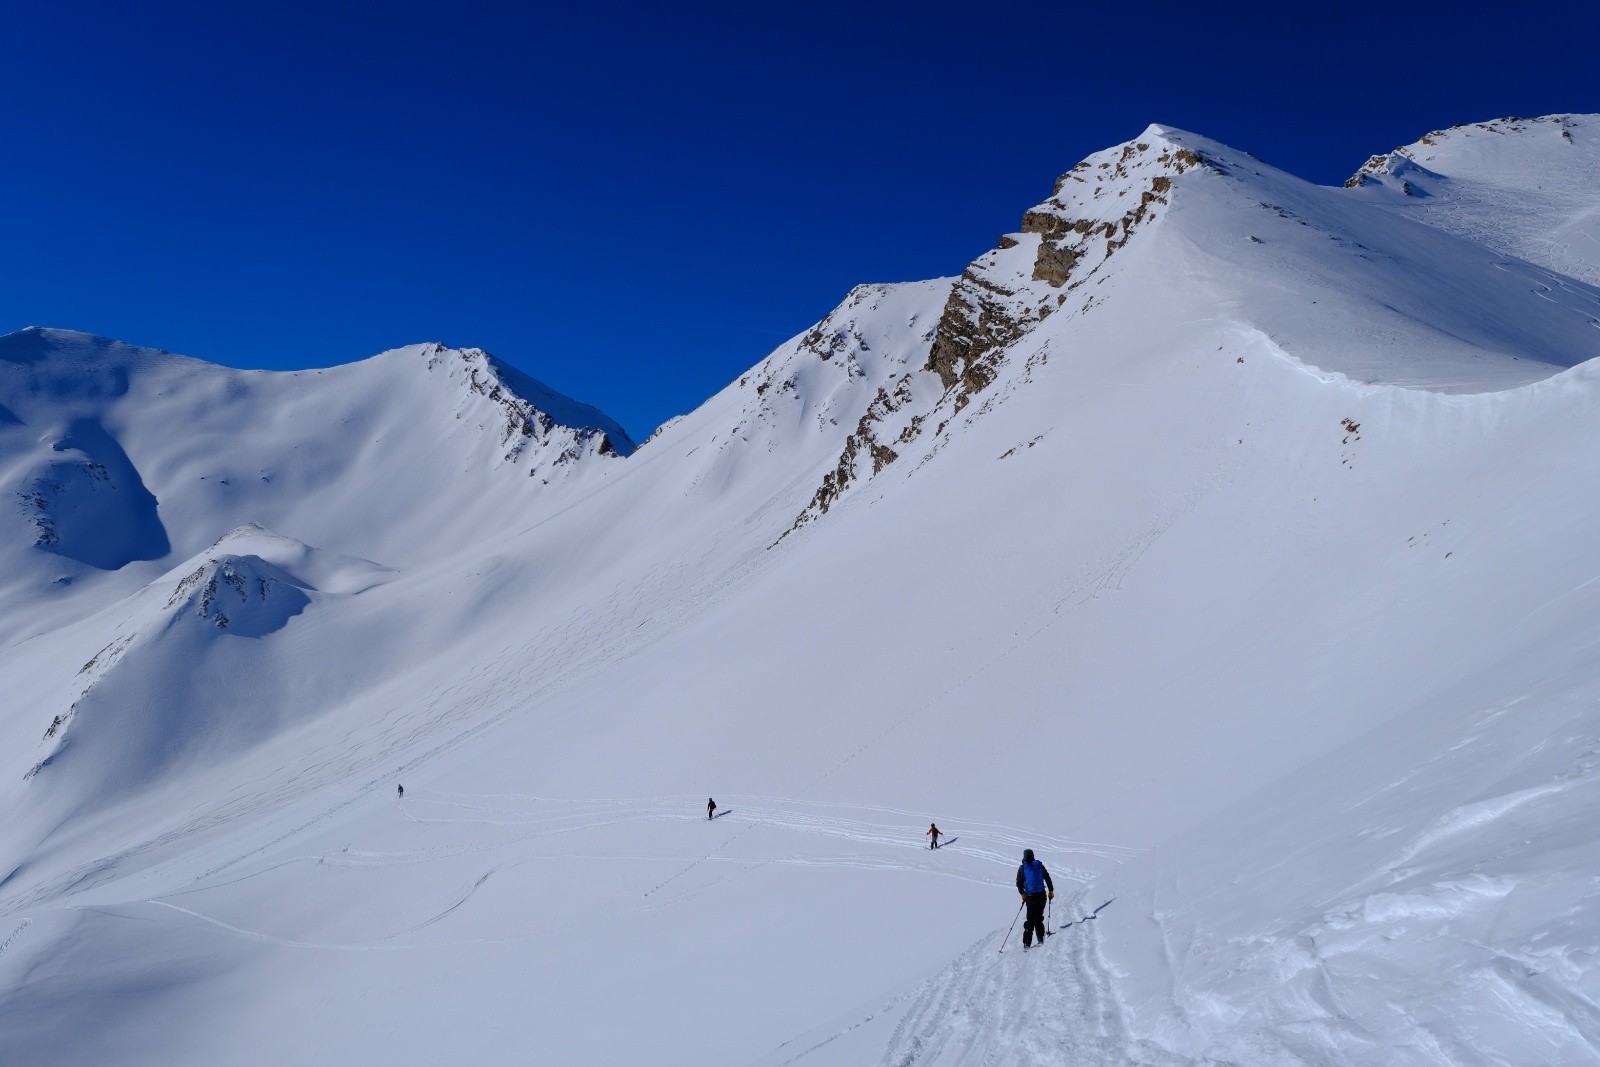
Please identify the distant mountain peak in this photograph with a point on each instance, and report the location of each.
(1522, 186)
(32, 344)
(532, 409)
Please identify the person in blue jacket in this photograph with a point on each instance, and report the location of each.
(1035, 887)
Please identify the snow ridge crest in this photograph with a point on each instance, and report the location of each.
(531, 412)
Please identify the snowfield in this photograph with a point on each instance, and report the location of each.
(1223, 538)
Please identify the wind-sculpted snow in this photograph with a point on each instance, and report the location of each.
(1220, 537)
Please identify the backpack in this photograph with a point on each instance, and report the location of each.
(1033, 877)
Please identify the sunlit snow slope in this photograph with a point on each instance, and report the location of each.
(1221, 537)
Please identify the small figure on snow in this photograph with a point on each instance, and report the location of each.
(1035, 888)
(400, 792)
(933, 832)
(711, 808)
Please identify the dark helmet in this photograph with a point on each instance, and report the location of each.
(1027, 855)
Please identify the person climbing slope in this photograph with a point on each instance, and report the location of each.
(711, 808)
(933, 833)
(400, 791)
(1035, 888)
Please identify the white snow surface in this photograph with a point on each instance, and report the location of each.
(1238, 563)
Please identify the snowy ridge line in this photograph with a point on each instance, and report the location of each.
(638, 461)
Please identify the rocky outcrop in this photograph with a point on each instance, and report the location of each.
(1095, 209)
(863, 448)
(1003, 295)
(531, 416)
(1396, 168)
(237, 587)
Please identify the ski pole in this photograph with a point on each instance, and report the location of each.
(1050, 915)
(1012, 927)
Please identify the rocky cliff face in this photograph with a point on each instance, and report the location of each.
(1046, 266)
(1094, 211)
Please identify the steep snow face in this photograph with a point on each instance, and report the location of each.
(116, 462)
(1247, 584)
(1522, 187)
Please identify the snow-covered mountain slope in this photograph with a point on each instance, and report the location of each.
(1524, 187)
(117, 462)
(1218, 536)
(192, 667)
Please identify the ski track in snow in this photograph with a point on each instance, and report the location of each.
(1047, 1005)
(987, 851)
(12, 937)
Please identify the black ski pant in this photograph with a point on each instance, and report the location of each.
(1033, 925)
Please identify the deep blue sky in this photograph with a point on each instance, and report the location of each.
(634, 203)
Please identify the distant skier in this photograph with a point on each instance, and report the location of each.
(711, 808)
(1035, 887)
(933, 833)
(400, 792)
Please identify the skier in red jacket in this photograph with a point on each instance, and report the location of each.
(934, 832)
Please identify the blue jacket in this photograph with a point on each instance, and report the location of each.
(1033, 878)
